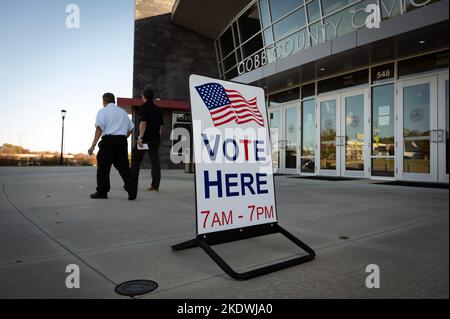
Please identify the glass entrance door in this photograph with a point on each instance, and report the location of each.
(291, 132)
(383, 131)
(328, 136)
(275, 125)
(443, 129)
(418, 134)
(308, 137)
(343, 142)
(355, 140)
(284, 130)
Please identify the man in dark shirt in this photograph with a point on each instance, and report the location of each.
(150, 126)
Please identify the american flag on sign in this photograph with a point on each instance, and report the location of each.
(228, 105)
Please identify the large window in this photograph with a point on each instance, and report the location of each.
(279, 28)
(313, 10)
(252, 46)
(249, 23)
(280, 8)
(330, 6)
(290, 24)
(226, 42)
(264, 13)
(242, 39)
(344, 21)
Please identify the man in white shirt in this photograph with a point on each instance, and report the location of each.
(114, 127)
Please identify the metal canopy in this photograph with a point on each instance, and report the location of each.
(206, 17)
(435, 38)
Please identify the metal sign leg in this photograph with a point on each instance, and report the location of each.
(203, 243)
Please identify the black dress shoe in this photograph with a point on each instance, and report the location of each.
(98, 195)
(132, 195)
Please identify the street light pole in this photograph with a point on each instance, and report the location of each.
(63, 115)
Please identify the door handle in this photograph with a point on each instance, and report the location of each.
(434, 136)
(339, 141)
(440, 136)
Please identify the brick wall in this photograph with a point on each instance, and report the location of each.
(164, 56)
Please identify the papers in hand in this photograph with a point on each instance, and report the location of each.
(144, 147)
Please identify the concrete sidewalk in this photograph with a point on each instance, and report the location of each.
(47, 221)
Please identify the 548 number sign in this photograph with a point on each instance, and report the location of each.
(383, 72)
(381, 75)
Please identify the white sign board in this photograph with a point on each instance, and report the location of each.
(232, 153)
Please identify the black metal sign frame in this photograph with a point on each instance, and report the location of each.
(205, 241)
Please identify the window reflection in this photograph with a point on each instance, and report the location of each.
(410, 6)
(264, 13)
(229, 62)
(317, 33)
(328, 135)
(292, 44)
(383, 130)
(236, 37)
(344, 22)
(290, 24)
(447, 133)
(383, 121)
(226, 42)
(252, 46)
(390, 8)
(280, 23)
(291, 138)
(333, 5)
(249, 23)
(416, 129)
(232, 73)
(280, 8)
(354, 133)
(313, 9)
(275, 124)
(268, 38)
(308, 138)
(383, 167)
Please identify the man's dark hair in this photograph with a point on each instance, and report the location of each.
(109, 98)
(148, 93)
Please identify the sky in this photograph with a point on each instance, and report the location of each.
(46, 67)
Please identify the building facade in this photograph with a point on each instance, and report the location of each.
(165, 54)
(355, 88)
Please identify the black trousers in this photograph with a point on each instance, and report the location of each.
(113, 150)
(136, 160)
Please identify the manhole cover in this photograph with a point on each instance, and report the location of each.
(135, 288)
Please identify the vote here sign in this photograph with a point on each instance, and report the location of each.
(232, 154)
